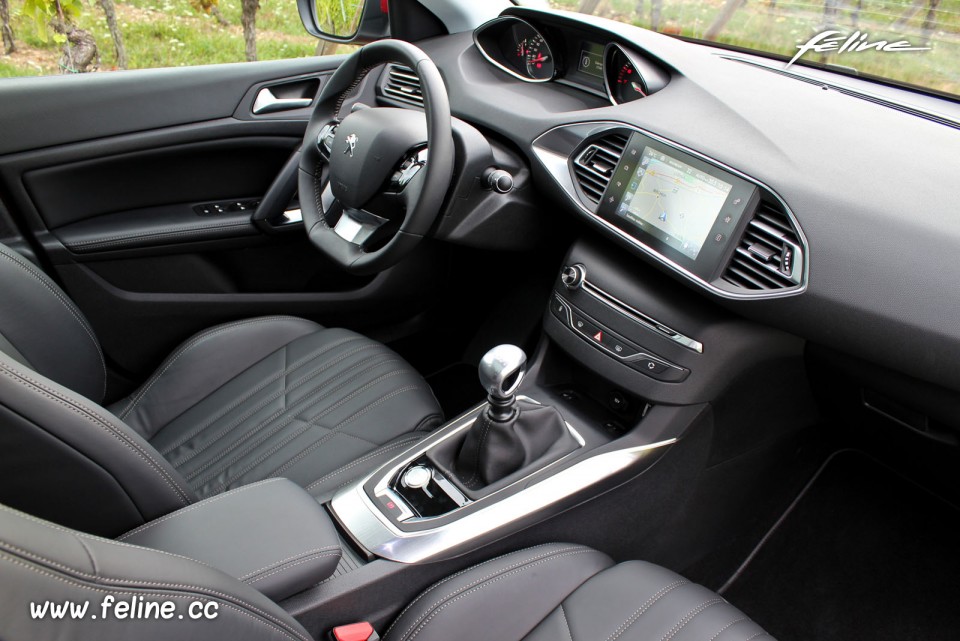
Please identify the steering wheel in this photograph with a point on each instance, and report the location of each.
(368, 190)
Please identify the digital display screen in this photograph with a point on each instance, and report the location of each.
(684, 208)
(591, 59)
(673, 201)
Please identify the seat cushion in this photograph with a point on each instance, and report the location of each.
(570, 592)
(280, 397)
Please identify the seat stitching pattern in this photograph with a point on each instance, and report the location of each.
(101, 422)
(70, 307)
(308, 401)
(303, 453)
(566, 623)
(364, 459)
(287, 566)
(89, 552)
(287, 414)
(339, 428)
(148, 234)
(728, 626)
(297, 557)
(439, 584)
(268, 433)
(479, 587)
(77, 572)
(662, 592)
(430, 613)
(762, 633)
(252, 392)
(155, 589)
(690, 616)
(195, 506)
(91, 537)
(193, 342)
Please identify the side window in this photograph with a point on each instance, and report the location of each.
(46, 37)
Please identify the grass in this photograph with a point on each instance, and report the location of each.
(167, 33)
(778, 29)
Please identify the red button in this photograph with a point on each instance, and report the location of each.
(353, 632)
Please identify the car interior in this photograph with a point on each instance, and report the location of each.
(452, 337)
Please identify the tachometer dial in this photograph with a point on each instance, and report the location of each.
(630, 76)
(629, 85)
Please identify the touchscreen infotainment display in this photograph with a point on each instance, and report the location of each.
(677, 205)
(672, 197)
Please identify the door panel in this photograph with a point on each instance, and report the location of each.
(212, 170)
(63, 109)
(108, 177)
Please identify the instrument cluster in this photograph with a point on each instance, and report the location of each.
(523, 51)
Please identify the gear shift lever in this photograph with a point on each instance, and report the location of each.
(501, 372)
(508, 435)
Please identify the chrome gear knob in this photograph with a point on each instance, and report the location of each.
(501, 372)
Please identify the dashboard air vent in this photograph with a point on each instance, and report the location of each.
(403, 85)
(770, 254)
(594, 166)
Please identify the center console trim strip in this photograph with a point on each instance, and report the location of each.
(640, 318)
(370, 528)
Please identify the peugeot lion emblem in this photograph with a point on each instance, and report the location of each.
(351, 144)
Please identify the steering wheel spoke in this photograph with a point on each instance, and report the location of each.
(325, 139)
(358, 226)
(367, 190)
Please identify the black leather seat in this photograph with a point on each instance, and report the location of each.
(241, 402)
(551, 592)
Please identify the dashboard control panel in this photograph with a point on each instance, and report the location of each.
(606, 340)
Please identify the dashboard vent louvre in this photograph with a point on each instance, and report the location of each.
(770, 254)
(403, 85)
(594, 166)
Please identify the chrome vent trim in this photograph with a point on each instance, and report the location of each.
(594, 166)
(403, 85)
(769, 256)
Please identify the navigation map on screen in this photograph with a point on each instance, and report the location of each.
(672, 201)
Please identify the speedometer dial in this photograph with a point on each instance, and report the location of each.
(538, 58)
(517, 48)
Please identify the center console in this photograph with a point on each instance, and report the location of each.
(501, 466)
(611, 434)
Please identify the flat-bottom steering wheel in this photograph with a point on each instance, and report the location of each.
(368, 190)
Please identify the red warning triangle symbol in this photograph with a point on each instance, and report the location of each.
(598, 337)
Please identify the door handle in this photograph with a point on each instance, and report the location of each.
(267, 102)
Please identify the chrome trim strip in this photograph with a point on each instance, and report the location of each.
(505, 69)
(558, 168)
(374, 531)
(638, 356)
(640, 318)
(467, 421)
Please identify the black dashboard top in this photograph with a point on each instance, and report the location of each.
(866, 170)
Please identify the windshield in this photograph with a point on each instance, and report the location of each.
(909, 42)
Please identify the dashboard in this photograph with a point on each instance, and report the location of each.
(861, 261)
